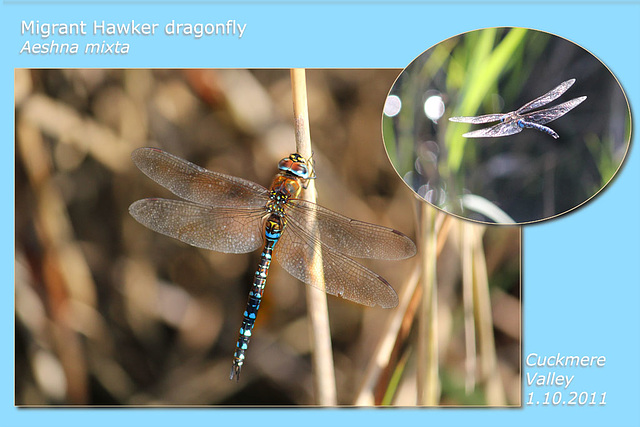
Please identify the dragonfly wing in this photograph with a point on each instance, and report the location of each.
(230, 230)
(197, 184)
(349, 236)
(488, 118)
(554, 93)
(333, 272)
(550, 114)
(501, 129)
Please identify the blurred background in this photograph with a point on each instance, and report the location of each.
(111, 313)
(528, 176)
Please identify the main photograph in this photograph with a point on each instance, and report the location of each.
(150, 204)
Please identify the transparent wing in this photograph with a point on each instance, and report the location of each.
(501, 129)
(351, 237)
(488, 118)
(342, 276)
(554, 93)
(550, 114)
(199, 185)
(230, 230)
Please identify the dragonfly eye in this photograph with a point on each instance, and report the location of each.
(296, 165)
(300, 169)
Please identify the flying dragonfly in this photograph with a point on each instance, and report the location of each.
(524, 117)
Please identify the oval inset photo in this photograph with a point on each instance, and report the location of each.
(506, 125)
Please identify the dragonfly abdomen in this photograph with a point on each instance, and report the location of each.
(536, 126)
(273, 231)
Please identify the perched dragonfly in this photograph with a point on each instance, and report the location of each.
(515, 121)
(228, 214)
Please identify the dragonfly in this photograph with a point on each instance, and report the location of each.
(524, 117)
(233, 215)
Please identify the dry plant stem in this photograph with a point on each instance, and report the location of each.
(398, 328)
(467, 250)
(382, 354)
(427, 381)
(494, 389)
(322, 354)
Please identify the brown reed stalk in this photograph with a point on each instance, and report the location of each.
(428, 382)
(322, 354)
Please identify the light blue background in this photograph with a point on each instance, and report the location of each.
(581, 275)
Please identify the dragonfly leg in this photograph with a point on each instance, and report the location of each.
(536, 126)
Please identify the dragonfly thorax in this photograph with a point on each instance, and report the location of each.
(276, 203)
(508, 116)
(287, 186)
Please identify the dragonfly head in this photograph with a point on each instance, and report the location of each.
(297, 166)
